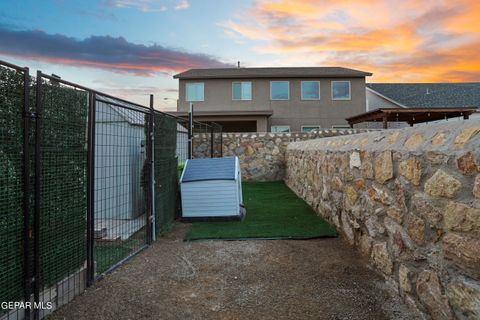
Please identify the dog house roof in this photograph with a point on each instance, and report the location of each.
(209, 169)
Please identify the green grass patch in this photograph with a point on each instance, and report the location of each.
(108, 254)
(273, 212)
(180, 167)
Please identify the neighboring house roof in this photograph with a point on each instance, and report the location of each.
(300, 72)
(209, 169)
(422, 95)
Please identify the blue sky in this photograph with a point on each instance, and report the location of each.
(194, 28)
(131, 48)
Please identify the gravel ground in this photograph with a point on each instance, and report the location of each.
(284, 279)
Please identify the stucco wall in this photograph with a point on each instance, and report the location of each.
(261, 155)
(409, 200)
(294, 112)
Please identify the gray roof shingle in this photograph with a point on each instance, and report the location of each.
(420, 95)
(300, 72)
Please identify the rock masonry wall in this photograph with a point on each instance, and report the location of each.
(409, 200)
(261, 155)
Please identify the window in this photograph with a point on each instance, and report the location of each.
(310, 128)
(279, 90)
(241, 91)
(280, 128)
(310, 90)
(194, 91)
(341, 90)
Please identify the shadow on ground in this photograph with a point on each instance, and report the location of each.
(270, 279)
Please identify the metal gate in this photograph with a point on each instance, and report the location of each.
(120, 155)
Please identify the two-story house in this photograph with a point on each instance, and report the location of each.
(273, 99)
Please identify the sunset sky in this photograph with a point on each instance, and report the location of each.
(131, 48)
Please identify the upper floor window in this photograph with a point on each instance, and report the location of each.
(310, 90)
(194, 91)
(279, 90)
(241, 91)
(341, 90)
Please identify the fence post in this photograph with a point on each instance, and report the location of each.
(211, 140)
(26, 190)
(38, 179)
(91, 189)
(190, 132)
(221, 142)
(151, 179)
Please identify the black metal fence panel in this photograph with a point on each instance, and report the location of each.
(182, 141)
(206, 140)
(166, 171)
(77, 192)
(120, 208)
(62, 191)
(12, 261)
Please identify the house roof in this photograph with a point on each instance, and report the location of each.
(209, 169)
(299, 72)
(421, 95)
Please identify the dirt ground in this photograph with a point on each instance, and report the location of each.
(256, 279)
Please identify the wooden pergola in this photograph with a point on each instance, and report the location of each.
(410, 115)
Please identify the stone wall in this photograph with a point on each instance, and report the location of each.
(407, 199)
(261, 155)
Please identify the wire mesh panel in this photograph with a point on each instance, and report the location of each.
(119, 194)
(166, 169)
(11, 185)
(62, 177)
(216, 141)
(207, 140)
(201, 140)
(182, 142)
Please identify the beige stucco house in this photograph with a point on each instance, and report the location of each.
(273, 99)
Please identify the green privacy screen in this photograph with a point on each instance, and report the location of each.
(64, 182)
(63, 142)
(11, 184)
(165, 143)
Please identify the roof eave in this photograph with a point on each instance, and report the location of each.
(180, 77)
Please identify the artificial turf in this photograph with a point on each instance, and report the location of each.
(273, 212)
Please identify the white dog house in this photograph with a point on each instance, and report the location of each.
(211, 189)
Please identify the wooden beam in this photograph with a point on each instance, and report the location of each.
(385, 121)
(406, 114)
